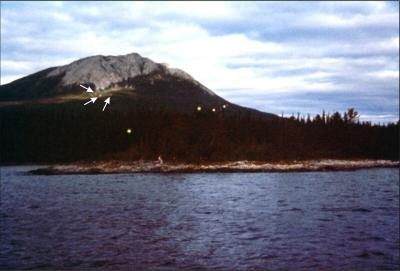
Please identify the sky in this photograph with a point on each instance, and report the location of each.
(279, 57)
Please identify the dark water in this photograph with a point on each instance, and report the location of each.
(341, 220)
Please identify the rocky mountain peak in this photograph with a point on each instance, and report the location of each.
(106, 71)
(122, 72)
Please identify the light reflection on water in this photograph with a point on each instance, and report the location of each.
(231, 220)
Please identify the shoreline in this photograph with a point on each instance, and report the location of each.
(121, 167)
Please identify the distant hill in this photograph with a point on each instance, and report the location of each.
(131, 80)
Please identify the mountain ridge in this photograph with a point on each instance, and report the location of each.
(100, 71)
(133, 80)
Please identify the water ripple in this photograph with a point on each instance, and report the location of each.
(315, 220)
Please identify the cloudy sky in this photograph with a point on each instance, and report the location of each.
(274, 56)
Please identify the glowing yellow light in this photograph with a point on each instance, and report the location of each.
(129, 131)
(224, 106)
(214, 110)
(199, 108)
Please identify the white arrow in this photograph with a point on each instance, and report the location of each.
(92, 100)
(88, 89)
(107, 101)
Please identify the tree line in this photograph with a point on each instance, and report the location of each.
(62, 133)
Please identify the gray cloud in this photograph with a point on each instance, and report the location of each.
(275, 56)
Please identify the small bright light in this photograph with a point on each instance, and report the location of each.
(214, 110)
(224, 106)
(128, 131)
(199, 108)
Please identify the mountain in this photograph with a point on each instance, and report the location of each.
(131, 80)
(154, 112)
(44, 119)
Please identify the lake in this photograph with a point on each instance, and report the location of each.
(311, 220)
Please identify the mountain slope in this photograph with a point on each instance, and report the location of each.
(131, 80)
(43, 117)
(100, 72)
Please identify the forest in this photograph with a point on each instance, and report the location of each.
(54, 134)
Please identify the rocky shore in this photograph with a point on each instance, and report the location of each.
(112, 167)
